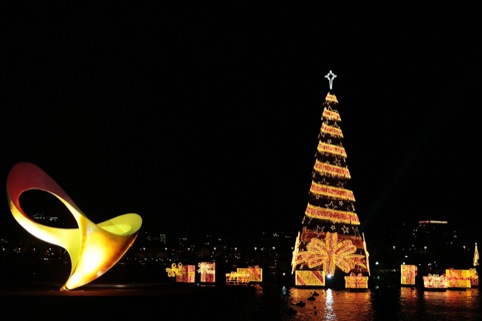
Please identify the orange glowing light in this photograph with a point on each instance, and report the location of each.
(329, 254)
(93, 248)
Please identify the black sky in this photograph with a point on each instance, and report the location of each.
(207, 118)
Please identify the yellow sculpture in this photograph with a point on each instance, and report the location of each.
(93, 248)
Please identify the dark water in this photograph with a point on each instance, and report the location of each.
(402, 303)
(256, 303)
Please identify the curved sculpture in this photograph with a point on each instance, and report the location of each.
(93, 248)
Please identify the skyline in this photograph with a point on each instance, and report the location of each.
(210, 121)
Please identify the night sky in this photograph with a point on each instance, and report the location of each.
(206, 118)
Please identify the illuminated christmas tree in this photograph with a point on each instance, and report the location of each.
(330, 243)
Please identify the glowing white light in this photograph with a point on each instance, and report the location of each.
(330, 76)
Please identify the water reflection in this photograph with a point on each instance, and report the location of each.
(330, 304)
(403, 303)
(447, 305)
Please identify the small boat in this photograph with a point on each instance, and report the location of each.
(301, 304)
(291, 311)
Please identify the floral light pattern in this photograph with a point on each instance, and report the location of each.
(330, 254)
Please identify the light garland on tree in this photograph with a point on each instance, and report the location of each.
(333, 170)
(332, 215)
(331, 115)
(335, 192)
(333, 149)
(307, 234)
(334, 131)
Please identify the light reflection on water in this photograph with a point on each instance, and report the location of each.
(404, 303)
(331, 305)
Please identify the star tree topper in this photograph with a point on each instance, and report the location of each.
(330, 76)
